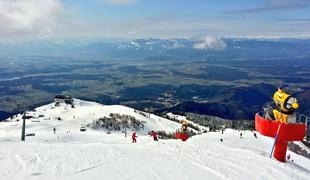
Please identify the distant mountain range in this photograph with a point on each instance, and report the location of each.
(232, 47)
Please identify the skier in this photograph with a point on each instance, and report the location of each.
(154, 135)
(54, 130)
(240, 135)
(255, 135)
(288, 156)
(221, 140)
(134, 137)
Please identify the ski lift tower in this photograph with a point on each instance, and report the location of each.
(24, 117)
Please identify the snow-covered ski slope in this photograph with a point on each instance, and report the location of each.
(45, 118)
(71, 154)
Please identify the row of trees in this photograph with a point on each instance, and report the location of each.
(118, 122)
(217, 123)
(195, 127)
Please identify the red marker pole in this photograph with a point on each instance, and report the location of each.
(275, 139)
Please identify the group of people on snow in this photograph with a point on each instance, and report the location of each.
(133, 136)
(152, 134)
(221, 139)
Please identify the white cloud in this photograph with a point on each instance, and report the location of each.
(119, 2)
(28, 18)
(212, 43)
(176, 45)
(131, 32)
(276, 5)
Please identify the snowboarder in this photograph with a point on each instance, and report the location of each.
(240, 135)
(255, 135)
(154, 135)
(134, 137)
(54, 130)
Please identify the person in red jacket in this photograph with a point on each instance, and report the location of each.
(154, 135)
(134, 137)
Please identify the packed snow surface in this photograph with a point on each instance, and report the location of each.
(94, 154)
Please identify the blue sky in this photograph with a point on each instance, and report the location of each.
(154, 18)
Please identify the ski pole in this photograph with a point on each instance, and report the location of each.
(275, 140)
